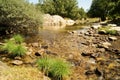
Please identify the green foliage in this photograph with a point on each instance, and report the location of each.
(45, 64)
(105, 8)
(14, 46)
(8, 46)
(108, 30)
(18, 50)
(18, 38)
(56, 67)
(19, 16)
(112, 32)
(64, 8)
(60, 69)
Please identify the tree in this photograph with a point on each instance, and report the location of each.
(64, 8)
(104, 8)
(18, 16)
(99, 8)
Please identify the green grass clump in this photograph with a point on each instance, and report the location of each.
(8, 46)
(19, 50)
(57, 68)
(112, 32)
(45, 64)
(14, 46)
(60, 69)
(18, 38)
(108, 30)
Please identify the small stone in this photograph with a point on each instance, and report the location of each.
(86, 54)
(35, 44)
(28, 53)
(17, 62)
(112, 38)
(104, 45)
(37, 54)
(102, 32)
(70, 56)
(17, 58)
(92, 61)
(44, 47)
(89, 72)
(95, 55)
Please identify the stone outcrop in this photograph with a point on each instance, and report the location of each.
(56, 22)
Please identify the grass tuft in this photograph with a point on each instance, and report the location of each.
(57, 68)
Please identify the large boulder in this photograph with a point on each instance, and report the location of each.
(53, 22)
(70, 22)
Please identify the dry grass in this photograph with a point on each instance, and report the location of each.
(22, 73)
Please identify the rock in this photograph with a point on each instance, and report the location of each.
(86, 54)
(89, 72)
(104, 45)
(53, 22)
(112, 38)
(44, 47)
(38, 54)
(17, 58)
(95, 55)
(92, 61)
(96, 26)
(115, 28)
(35, 44)
(46, 78)
(102, 32)
(112, 25)
(70, 22)
(17, 62)
(70, 56)
(28, 53)
(102, 50)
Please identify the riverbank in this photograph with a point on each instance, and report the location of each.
(92, 55)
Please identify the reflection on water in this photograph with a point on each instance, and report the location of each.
(50, 35)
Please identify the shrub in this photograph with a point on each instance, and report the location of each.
(8, 46)
(18, 50)
(19, 16)
(18, 38)
(108, 30)
(112, 32)
(56, 67)
(14, 46)
(60, 69)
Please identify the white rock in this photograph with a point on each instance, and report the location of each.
(112, 38)
(96, 26)
(113, 25)
(70, 22)
(17, 62)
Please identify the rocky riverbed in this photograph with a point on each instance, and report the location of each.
(93, 56)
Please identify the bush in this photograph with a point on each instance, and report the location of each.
(18, 38)
(13, 47)
(60, 69)
(112, 32)
(108, 30)
(18, 50)
(45, 64)
(8, 46)
(19, 16)
(56, 67)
